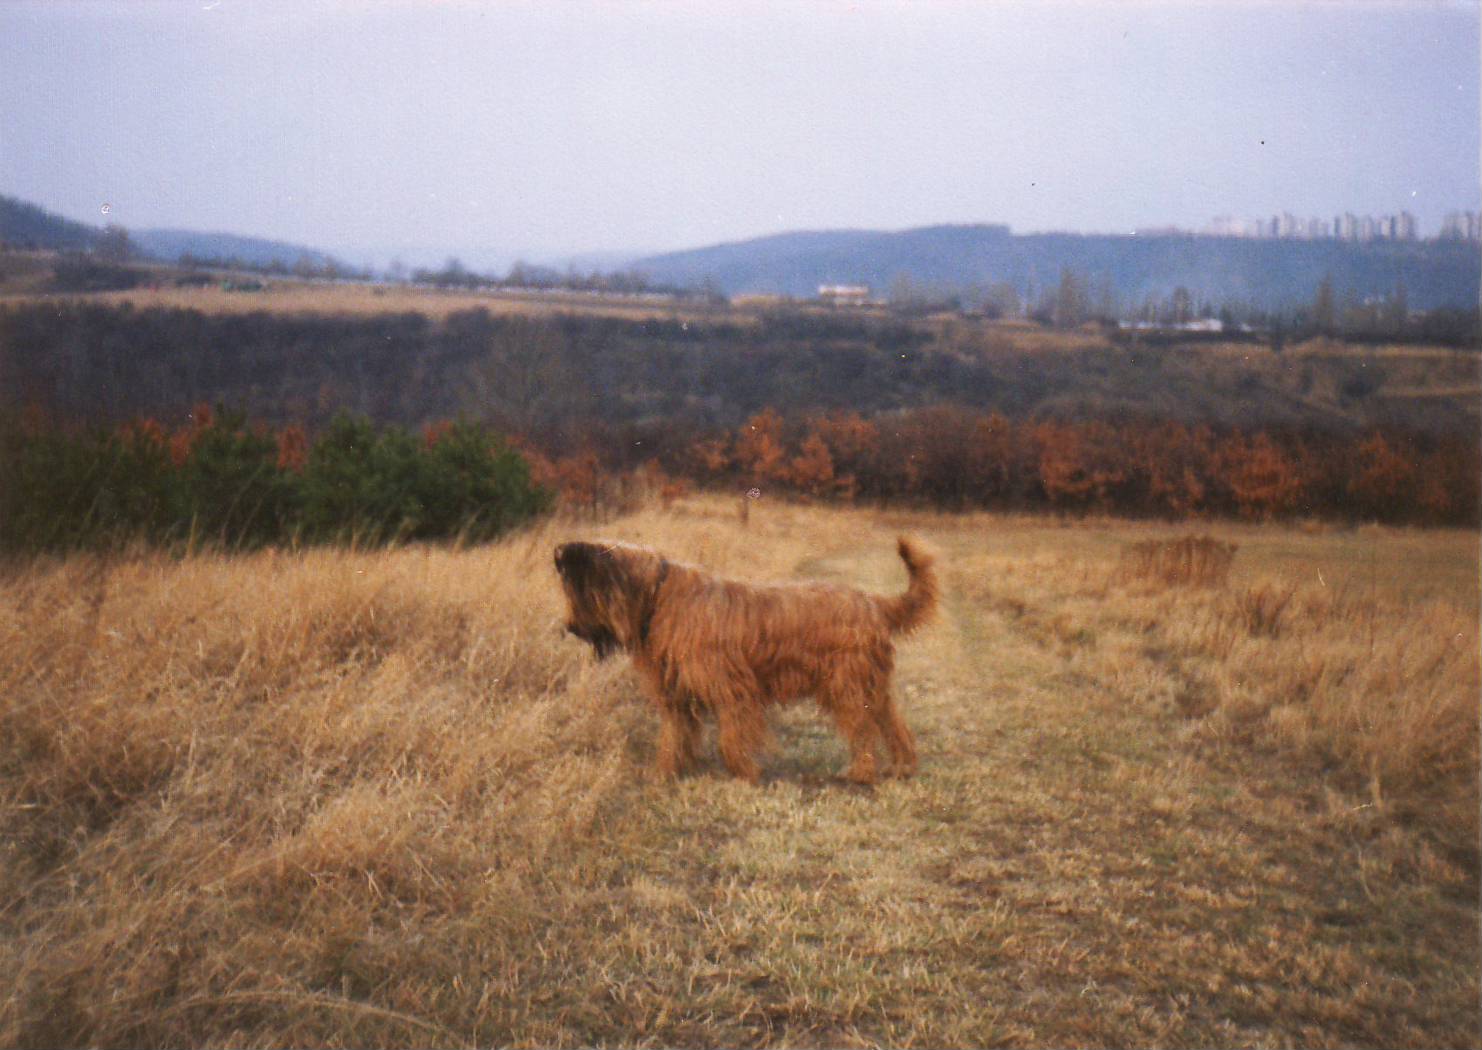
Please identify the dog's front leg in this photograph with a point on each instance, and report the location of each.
(679, 729)
(741, 727)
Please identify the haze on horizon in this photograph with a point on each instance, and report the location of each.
(421, 130)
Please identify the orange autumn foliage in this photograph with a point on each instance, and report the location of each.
(955, 458)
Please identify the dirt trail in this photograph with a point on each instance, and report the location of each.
(1138, 890)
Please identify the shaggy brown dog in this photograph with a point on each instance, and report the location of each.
(706, 644)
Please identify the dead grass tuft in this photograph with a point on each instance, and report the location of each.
(1260, 609)
(1189, 561)
(1382, 690)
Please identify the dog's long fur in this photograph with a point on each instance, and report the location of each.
(701, 643)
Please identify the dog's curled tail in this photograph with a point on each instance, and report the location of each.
(906, 612)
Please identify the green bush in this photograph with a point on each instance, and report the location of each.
(365, 485)
(225, 483)
(229, 489)
(473, 484)
(60, 490)
(359, 484)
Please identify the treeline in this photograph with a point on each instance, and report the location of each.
(525, 276)
(1270, 275)
(1333, 312)
(956, 459)
(221, 481)
(549, 378)
(305, 267)
(534, 376)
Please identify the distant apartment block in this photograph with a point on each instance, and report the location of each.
(1461, 226)
(1345, 227)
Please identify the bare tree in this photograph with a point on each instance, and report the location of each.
(526, 380)
(114, 245)
(1070, 300)
(1322, 306)
(1183, 305)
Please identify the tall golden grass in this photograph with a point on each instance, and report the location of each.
(1200, 561)
(229, 780)
(226, 776)
(1387, 690)
(346, 798)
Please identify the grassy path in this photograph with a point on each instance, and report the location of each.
(1067, 870)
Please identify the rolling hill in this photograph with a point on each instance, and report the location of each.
(27, 225)
(1264, 273)
(170, 245)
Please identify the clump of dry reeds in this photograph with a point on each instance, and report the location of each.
(1260, 608)
(1383, 689)
(1387, 690)
(1190, 561)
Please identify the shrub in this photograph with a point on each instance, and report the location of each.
(472, 483)
(358, 485)
(66, 489)
(229, 488)
(234, 485)
(366, 485)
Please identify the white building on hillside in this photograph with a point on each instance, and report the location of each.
(844, 294)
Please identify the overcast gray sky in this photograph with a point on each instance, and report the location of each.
(495, 130)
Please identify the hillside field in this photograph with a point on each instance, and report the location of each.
(22, 280)
(352, 798)
(556, 367)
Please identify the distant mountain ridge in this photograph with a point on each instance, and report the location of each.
(1264, 273)
(29, 225)
(963, 259)
(254, 251)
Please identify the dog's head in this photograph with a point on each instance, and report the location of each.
(610, 593)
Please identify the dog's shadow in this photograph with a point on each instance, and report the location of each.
(811, 785)
(806, 752)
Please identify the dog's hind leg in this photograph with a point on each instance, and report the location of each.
(897, 735)
(855, 719)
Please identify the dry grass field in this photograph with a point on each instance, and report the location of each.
(372, 799)
(367, 299)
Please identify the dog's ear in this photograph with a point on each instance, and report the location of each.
(576, 561)
(589, 568)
